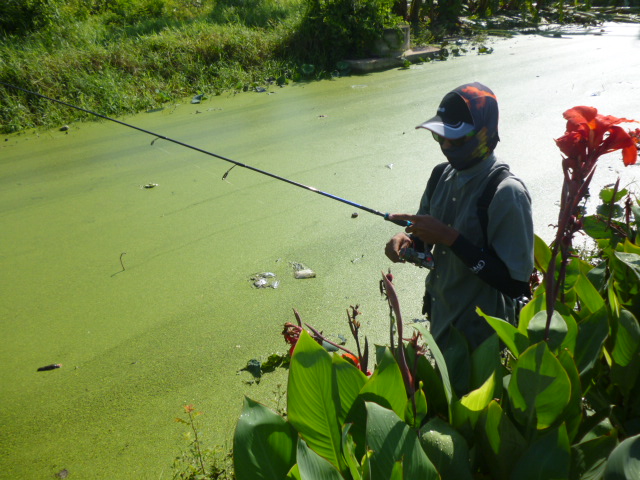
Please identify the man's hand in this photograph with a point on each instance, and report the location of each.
(397, 243)
(428, 229)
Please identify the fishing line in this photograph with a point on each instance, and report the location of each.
(402, 223)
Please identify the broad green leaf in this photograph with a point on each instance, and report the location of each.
(447, 449)
(589, 296)
(592, 332)
(598, 275)
(630, 247)
(312, 405)
(312, 466)
(611, 195)
(386, 386)
(624, 461)
(440, 362)
(625, 268)
(415, 410)
(538, 328)
(263, 444)
(349, 380)
(502, 444)
(547, 458)
(398, 471)
(349, 451)
(456, 354)
(515, 341)
(573, 412)
(627, 341)
(537, 304)
(542, 254)
(392, 440)
(433, 387)
(485, 361)
(589, 458)
(294, 473)
(539, 389)
(468, 408)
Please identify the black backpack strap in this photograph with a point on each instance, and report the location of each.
(495, 179)
(436, 173)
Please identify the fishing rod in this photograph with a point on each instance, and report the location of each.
(402, 223)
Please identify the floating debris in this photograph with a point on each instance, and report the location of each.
(47, 368)
(354, 215)
(389, 166)
(198, 98)
(149, 185)
(302, 271)
(64, 128)
(265, 280)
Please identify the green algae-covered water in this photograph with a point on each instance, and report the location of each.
(178, 323)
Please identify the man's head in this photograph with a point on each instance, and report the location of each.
(466, 125)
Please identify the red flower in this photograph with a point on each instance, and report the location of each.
(291, 335)
(590, 135)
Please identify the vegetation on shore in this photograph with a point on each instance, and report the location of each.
(125, 56)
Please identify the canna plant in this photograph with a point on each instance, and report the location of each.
(561, 401)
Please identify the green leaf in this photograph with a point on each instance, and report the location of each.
(456, 354)
(294, 473)
(547, 458)
(539, 389)
(391, 440)
(542, 254)
(433, 387)
(557, 329)
(573, 412)
(590, 297)
(589, 458)
(592, 332)
(312, 466)
(440, 362)
(312, 405)
(386, 386)
(263, 444)
(415, 410)
(502, 444)
(624, 461)
(607, 195)
(349, 451)
(485, 361)
(468, 408)
(447, 449)
(627, 341)
(537, 304)
(515, 341)
(398, 471)
(349, 380)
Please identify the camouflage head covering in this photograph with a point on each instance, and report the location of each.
(483, 107)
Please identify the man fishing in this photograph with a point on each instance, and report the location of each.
(474, 217)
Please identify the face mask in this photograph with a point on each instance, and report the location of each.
(472, 152)
(462, 157)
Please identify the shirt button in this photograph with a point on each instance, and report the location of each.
(453, 199)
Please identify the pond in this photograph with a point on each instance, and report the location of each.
(144, 295)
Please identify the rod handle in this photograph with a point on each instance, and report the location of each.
(402, 223)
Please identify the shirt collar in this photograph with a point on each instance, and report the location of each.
(463, 176)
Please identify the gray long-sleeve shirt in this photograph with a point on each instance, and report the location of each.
(455, 291)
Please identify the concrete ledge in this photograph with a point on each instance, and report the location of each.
(367, 65)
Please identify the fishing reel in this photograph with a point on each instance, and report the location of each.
(419, 259)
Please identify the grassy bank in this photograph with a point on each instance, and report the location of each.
(126, 56)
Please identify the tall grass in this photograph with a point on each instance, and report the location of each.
(105, 64)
